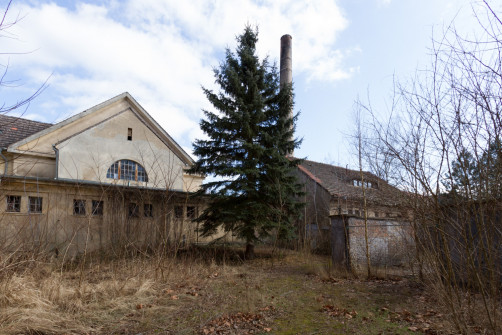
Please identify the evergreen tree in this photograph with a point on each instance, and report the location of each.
(249, 137)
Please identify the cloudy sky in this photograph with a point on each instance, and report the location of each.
(163, 51)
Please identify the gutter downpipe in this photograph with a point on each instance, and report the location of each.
(56, 151)
(6, 162)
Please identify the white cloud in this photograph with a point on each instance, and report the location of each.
(163, 51)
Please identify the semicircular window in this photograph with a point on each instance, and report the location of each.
(127, 170)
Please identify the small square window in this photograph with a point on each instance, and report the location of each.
(148, 210)
(78, 207)
(14, 203)
(129, 134)
(97, 207)
(133, 210)
(191, 212)
(35, 204)
(178, 212)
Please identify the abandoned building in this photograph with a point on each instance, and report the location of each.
(109, 176)
(336, 208)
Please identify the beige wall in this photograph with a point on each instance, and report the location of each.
(57, 227)
(88, 155)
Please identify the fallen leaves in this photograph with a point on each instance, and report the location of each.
(238, 323)
(337, 312)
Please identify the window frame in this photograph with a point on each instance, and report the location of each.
(132, 210)
(127, 169)
(191, 212)
(97, 207)
(178, 212)
(148, 210)
(34, 207)
(79, 207)
(13, 206)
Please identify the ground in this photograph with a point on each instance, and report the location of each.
(209, 291)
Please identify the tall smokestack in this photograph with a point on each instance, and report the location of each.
(286, 65)
(286, 68)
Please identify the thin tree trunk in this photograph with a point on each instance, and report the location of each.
(249, 254)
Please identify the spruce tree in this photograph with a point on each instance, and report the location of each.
(250, 135)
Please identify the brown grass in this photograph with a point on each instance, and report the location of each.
(210, 291)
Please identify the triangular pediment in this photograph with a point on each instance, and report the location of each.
(105, 115)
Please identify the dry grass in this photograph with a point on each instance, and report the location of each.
(210, 291)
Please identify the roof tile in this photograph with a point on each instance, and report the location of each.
(13, 129)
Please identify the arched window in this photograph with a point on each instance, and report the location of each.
(127, 170)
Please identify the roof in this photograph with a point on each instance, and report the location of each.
(339, 182)
(13, 129)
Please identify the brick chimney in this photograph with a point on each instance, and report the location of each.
(286, 67)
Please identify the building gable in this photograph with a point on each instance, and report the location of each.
(85, 146)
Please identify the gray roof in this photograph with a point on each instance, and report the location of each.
(13, 129)
(339, 182)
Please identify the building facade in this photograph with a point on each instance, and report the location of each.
(335, 212)
(108, 177)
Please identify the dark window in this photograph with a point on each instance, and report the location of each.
(35, 204)
(128, 170)
(129, 134)
(190, 212)
(97, 207)
(350, 211)
(133, 210)
(13, 203)
(376, 214)
(178, 212)
(78, 207)
(148, 210)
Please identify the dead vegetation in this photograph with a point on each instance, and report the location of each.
(212, 291)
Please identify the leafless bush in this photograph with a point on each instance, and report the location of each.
(442, 144)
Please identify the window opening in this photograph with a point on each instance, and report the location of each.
(190, 212)
(178, 212)
(14, 203)
(78, 207)
(127, 170)
(129, 134)
(148, 210)
(133, 210)
(97, 207)
(35, 204)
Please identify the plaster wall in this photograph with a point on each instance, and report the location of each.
(44, 143)
(89, 154)
(58, 229)
(32, 166)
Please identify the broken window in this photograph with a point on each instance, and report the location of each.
(97, 207)
(178, 212)
(14, 203)
(148, 210)
(78, 207)
(35, 204)
(191, 212)
(133, 210)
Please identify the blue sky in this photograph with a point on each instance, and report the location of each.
(162, 52)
